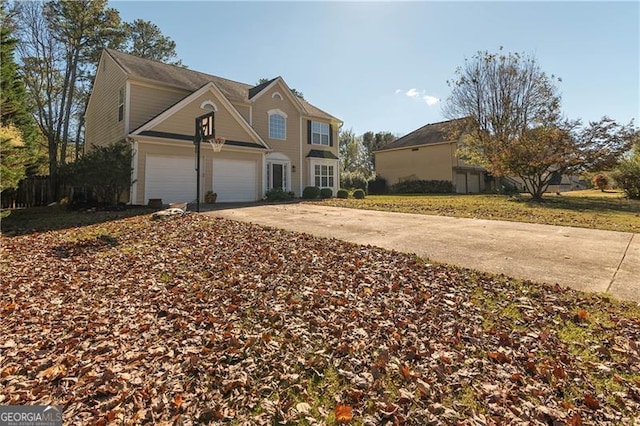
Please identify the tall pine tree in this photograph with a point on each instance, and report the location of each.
(18, 132)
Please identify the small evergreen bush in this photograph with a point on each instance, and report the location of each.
(358, 194)
(311, 192)
(423, 187)
(278, 194)
(378, 186)
(326, 193)
(343, 193)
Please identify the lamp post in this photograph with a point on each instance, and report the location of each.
(205, 129)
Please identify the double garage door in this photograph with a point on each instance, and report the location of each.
(467, 183)
(173, 179)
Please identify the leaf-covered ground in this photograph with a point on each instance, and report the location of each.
(195, 320)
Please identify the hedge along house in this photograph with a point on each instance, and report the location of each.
(274, 139)
(428, 153)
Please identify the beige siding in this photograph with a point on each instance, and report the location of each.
(183, 121)
(102, 126)
(291, 145)
(148, 101)
(432, 162)
(185, 149)
(244, 111)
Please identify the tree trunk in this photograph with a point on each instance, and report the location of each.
(67, 112)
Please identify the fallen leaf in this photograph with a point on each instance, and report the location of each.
(343, 413)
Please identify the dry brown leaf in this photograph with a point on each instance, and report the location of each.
(343, 413)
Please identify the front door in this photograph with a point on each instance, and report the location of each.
(277, 175)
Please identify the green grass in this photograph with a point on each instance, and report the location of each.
(585, 209)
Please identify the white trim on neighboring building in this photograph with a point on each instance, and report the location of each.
(127, 107)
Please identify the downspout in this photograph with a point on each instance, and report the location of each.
(300, 166)
(133, 195)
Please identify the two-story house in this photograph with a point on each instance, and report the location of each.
(273, 139)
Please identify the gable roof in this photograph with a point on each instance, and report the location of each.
(209, 87)
(429, 134)
(184, 78)
(257, 89)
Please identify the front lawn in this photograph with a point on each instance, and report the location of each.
(584, 209)
(201, 320)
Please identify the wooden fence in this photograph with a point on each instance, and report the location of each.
(32, 191)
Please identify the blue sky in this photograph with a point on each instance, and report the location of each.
(384, 66)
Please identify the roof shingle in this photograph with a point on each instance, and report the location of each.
(429, 134)
(187, 79)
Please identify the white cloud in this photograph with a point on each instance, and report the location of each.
(413, 93)
(430, 100)
(419, 95)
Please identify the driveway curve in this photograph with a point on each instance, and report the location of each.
(584, 259)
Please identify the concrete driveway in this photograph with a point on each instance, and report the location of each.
(585, 259)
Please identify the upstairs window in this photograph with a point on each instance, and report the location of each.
(320, 133)
(277, 124)
(121, 105)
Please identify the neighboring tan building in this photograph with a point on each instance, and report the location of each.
(274, 139)
(428, 154)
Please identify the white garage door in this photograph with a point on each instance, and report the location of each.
(171, 178)
(234, 180)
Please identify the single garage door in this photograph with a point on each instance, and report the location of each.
(473, 183)
(171, 178)
(234, 180)
(461, 183)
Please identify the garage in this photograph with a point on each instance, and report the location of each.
(173, 179)
(461, 183)
(234, 180)
(473, 183)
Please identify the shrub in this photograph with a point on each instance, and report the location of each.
(343, 193)
(353, 180)
(104, 170)
(600, 181)
(311, 192)
(627, 176)
(278, 194)
(378, 186)
(326, 193)
(358, 194)
(423, 187)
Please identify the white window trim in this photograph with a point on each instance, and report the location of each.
(328, 134)
(287, 173)
(122, 99)
(209, 105)
(281, 114)
(313, 162)
(277, 95)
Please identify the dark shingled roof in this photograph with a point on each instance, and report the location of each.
(187, 79)
(430, 134)
(319, 153)
(257, 89)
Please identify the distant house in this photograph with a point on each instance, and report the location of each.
(428, 153)
(274, 139)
